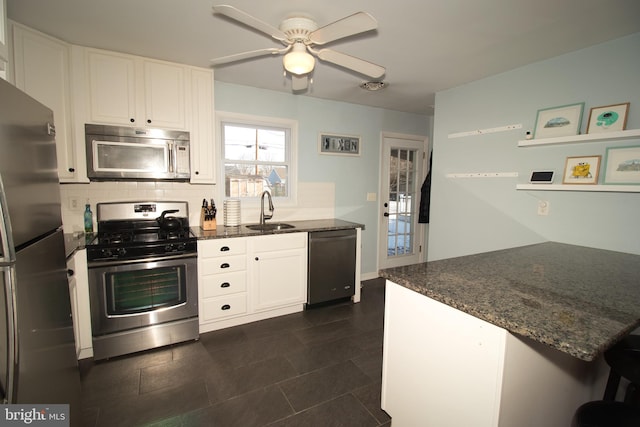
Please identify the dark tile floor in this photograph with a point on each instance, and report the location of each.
(321, 367)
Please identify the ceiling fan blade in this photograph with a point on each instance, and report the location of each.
(351, 62)
(299, 82)
(245, 18)
(354, 24)
(247, 55)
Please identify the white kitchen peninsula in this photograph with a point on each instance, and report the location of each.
(504, 338)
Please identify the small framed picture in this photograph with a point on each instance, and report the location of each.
(581, 170)
(559, 121)
(608, 118)
(339, 144)
(622, 165)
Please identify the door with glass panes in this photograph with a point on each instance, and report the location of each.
(401, 237)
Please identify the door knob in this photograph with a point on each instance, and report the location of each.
(386, 214)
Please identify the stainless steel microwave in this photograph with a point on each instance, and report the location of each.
(121, 153)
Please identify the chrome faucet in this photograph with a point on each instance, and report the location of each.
(264, 217)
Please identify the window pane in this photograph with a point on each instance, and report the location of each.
(256, 160)
(246, 180)
(271, 145)
(239, 143)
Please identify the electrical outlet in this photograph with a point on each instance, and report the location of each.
(371, 197)
(73, 204)
(543, 207)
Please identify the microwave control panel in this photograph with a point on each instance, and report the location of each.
(182, 160)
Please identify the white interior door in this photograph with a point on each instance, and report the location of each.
(401, 237)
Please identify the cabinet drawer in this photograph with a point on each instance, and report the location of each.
(218, 308)
(215, 285)
(279, 242)
(221, 247)
(227, 264)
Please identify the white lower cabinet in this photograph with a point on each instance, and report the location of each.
(222, 279)
(245, 279)
(438, 359)
(278, 270)
(80, 311)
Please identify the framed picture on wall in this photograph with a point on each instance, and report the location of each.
(608, 118)
(339, 144)
(622, 165)
(581, 170)
(558, 121)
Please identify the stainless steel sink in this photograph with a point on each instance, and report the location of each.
(270, 226)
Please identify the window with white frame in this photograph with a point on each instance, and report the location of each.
(258, 154)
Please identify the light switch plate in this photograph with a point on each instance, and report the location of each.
(543, 207)
(371, 197)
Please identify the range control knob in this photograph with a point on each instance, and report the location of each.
(169, 247)
(122, 252)
(181, 247)
(107, 253)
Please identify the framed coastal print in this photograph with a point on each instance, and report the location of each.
(558, 121)
(581, 170)
(339, 144)
(608, 118)
(622, 165)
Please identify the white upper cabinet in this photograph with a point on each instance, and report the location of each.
(134, 91)
(165, 94)
(41, 69)
(4, 48)
(202, 128)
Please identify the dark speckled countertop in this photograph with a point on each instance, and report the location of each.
(576, 299)
(75, 241)
(222, 232)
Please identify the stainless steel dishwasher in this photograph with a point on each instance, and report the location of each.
(332, 265)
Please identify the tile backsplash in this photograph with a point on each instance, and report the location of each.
(316, 200)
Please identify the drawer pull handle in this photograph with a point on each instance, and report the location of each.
(225, 285)
(224, 249)
(225, 265)
(226, 307)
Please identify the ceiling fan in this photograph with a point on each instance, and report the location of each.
(300, 35)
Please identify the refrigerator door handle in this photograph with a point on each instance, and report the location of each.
(8, 253)
(8, 274)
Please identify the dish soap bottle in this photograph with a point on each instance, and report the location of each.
(88, 219)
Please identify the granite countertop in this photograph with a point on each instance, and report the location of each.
(75, 241)
(575, 299)
(299, 226)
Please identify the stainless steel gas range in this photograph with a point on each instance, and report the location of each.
(143, 285)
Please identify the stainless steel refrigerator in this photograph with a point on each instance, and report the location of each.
(38, 363)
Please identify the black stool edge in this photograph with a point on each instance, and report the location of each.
(600, 413)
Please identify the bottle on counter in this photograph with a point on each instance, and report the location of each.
(88, 219)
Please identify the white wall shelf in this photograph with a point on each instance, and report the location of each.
(592, 137)
(581, 187)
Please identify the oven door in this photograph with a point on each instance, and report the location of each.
(126, 295)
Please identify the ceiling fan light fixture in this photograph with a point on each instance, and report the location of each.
(298, 61)
(373, 86)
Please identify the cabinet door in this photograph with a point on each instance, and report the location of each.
(164, 94)
(279, 270)
(4, 49)
(73, 295)
(112, 88)
(41, 70)
(202, 128)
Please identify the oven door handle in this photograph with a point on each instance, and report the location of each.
(94, 264)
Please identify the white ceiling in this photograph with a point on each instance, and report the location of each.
(425, 45)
